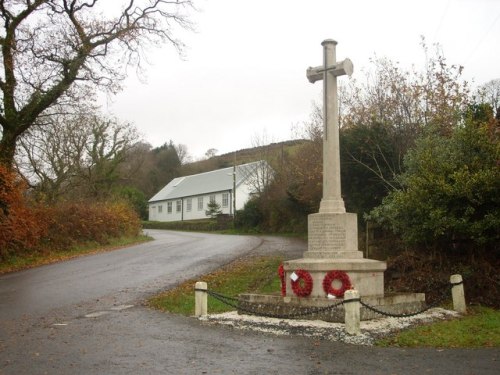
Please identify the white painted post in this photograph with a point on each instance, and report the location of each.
(457, 293)
(352, 312)
(200, 299)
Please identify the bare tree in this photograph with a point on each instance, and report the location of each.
(407, 100)
(183, 154)
(389, 110)
(258, 175)
(490, 92)
(81, 155)
(55, 51)
(211, 152)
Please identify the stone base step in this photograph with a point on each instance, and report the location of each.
(269, 304)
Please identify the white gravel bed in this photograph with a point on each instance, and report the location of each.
(371, 330)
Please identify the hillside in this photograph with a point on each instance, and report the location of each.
(271, 152)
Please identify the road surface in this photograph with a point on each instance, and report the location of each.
(85, 316)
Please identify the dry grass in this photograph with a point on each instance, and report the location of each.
(20, 262)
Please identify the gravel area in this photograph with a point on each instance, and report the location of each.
(371, 330)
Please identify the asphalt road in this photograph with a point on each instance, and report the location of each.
(85, 316)
(123, 275)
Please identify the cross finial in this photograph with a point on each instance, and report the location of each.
(332, 201)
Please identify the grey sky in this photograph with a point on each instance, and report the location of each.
(243, 74)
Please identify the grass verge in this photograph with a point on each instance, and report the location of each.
(479, 328)
(20, 262)
(252, 275)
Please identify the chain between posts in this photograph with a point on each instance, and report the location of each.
(235, 303)
(407, 315)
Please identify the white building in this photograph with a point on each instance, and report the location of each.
(186, 198)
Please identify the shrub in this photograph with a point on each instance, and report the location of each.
(450, 191)
(201, 225)
(26, 227)
(20, 227)
(250, 216)
(74, 223)
(135, 198)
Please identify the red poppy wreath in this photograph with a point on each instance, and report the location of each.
(303, 284)
(281, 273)
(331, 277)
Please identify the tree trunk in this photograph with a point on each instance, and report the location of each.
(7, 148)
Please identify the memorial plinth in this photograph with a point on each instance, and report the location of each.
(333, 236)
(333, 246)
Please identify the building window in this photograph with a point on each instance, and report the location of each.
(200, 203)
(188, 204)
(225, 199)
(169, 207)
(178, 206)
(160, 209)
(212, 198)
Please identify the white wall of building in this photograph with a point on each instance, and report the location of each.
(193, 208)
(242, 196)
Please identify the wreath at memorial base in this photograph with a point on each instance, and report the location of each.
(340, 276)
(281, 273)
(302, 286)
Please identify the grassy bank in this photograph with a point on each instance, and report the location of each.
(23, 261)
(253, 275)
(479, 328)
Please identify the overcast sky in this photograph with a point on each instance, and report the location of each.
(243, 72)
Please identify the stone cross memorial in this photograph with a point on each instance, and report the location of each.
(332, 200)
(333, 233)
(332, 263)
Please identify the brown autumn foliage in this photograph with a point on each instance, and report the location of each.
(296, 189)
(20, 227)
(74, 223)
(27, 227)
(305, 175)
(420, 271)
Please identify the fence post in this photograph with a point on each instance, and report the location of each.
(200, 298)
(352, 312)
(457, 293)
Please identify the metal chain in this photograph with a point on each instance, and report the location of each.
(393, 315)
(218, 295)
(230, 302)
(235, 303)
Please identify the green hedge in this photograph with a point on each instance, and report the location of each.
(202, 225)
